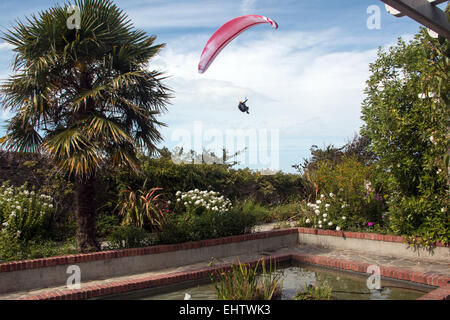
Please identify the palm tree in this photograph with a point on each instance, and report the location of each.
(85, 97)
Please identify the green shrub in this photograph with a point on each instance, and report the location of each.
(289, 211)
(209, 225)
(105, 224)
(419, 216)
(25, 225)
(260, 212)
(128, 237)
(406, 114)
(50, 248)
(204, 215)
(235, 184)
(267, 214)
(346, 190)
(12, 248)
(43, 177)
(233, 223)
(348, 178)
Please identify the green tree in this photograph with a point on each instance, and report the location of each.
(358, 146)
(406, 116)
(83, 96)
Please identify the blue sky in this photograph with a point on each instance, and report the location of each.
(304, 80)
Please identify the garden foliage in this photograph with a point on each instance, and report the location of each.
(406, 115)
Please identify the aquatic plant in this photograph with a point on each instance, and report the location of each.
(242, 282)
(313, 292)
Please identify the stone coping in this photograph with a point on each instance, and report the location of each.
(112, 254)
(436, 280)
(359, 235)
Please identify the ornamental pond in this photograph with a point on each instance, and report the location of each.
(346, 285)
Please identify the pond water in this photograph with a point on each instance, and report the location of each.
(294, 278)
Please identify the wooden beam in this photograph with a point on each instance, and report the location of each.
(435, 2)
(425, 13)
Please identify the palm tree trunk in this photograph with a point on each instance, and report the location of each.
(85, 214)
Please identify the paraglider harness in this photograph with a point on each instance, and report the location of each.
(243, 107)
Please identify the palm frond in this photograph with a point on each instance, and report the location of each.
(21, 136)
(73, 151)
(107, 129)
(87, 95)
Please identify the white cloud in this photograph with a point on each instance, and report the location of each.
(6, 46)
(176, 14)
(4, 115)
(307, 84)
(293, 80)
(248, 6)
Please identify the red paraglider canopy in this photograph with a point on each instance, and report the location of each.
(225, 34)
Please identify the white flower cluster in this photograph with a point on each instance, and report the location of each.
(210, 200)
(320, 209)
(21, 207)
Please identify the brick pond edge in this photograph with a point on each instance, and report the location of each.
(112, 254)
(442, 292)
(440, 281)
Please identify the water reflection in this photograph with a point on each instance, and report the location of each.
(345, 286)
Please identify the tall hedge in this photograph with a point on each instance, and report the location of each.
(233, 183)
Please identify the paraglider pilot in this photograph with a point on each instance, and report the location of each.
(243, 107)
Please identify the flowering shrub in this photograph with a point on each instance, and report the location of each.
(356, 194)
(204, 215)
(349, 178)
(24, 214)
(207, 215)
(329, 212)
(25, 218)
(333, 212)
(198, 202)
